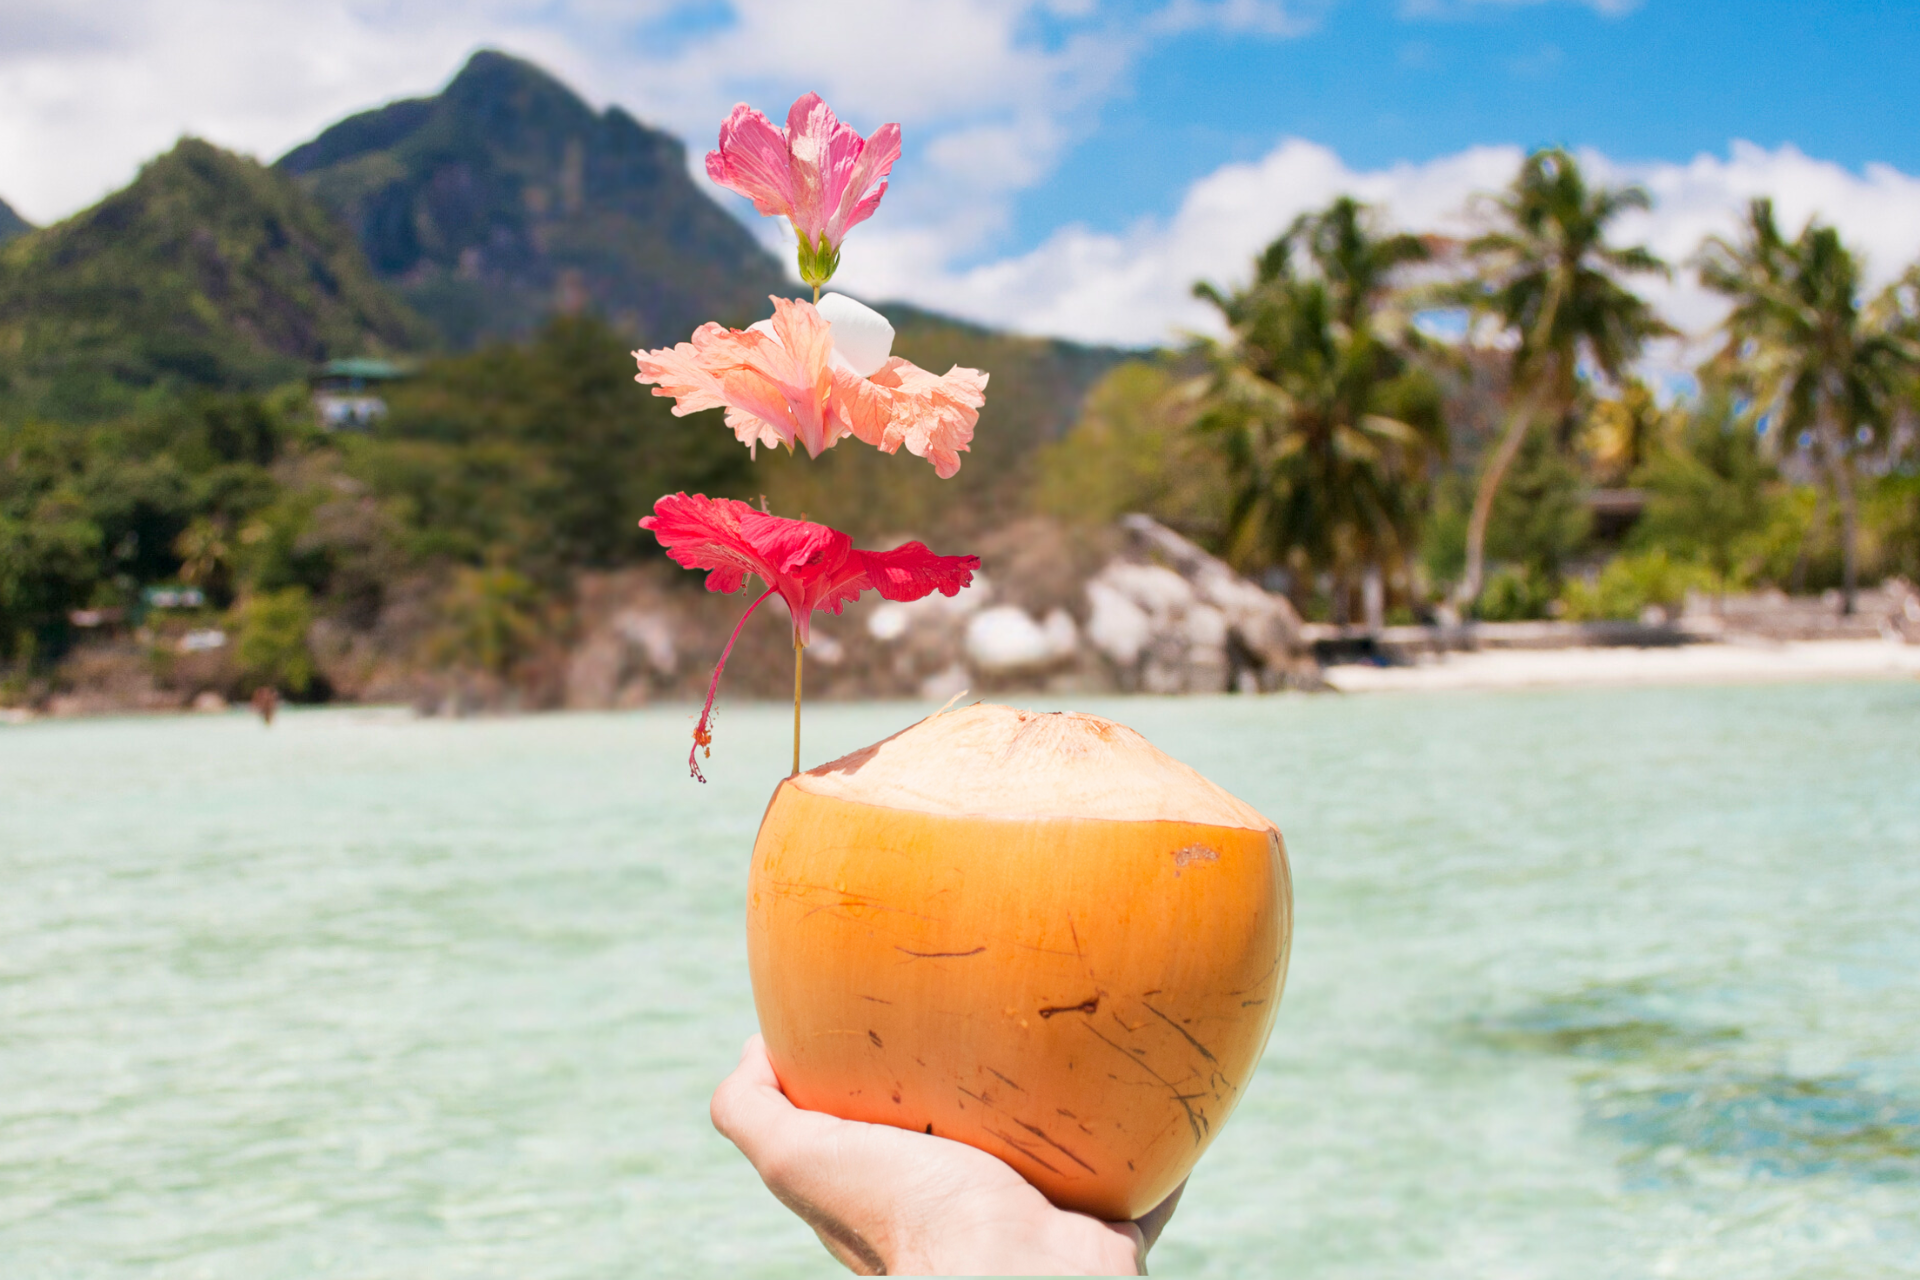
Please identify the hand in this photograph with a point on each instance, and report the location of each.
(891, 1201)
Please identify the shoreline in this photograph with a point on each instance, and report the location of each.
(1721, 662)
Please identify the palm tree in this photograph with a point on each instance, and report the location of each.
(1324, 421)
(1624, 432)
(1549, 276)
(1800, 342)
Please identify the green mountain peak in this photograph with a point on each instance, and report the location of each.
(11, 223)
(506, 198)
(209, 269)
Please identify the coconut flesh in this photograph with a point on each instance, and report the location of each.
(1032, 932)
(991, 761)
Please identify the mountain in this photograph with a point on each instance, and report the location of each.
(11, 223)
(209, 270)
(506, 198)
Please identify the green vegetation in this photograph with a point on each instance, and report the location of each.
(208, 272)
(1549, 277)
(1800, 342)
(1709, 485)
(11, 223)
(273, 628)
(1326, 423)
(1630, 585)
(1134, 450)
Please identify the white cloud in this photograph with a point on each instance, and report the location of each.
(1134, 287)
(1465, 8)
(991, 93)
(88, 92)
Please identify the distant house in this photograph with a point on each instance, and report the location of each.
(346, 393)
(1615, 512)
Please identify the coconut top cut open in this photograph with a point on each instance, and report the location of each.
(991, 761)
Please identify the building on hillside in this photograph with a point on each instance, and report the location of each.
(1615, 512)
(346, 393)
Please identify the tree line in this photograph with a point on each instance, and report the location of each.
(1394, 425)
(1344, 446)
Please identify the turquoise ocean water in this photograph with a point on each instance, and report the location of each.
(1584, 984)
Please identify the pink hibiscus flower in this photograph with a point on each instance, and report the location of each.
(814, 375)
(809, 565)
(817, 172)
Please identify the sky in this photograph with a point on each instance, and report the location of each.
(1071, 167)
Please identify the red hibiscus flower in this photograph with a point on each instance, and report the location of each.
(810, 565)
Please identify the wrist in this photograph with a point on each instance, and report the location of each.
(1066, 1245)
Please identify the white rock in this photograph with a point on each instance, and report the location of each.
(1159, 591)
(1063, 638)
(824, 648)
(889, 621)
(943, 685)
(652, 634)
(1005, 638)
(861, 336)
(892, 620)
(1206, 627)
(1118, 627)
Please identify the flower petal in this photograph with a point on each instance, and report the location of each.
(790, 545)
(774, 378)
(704, 533)
(852, 203)
(910, 572)
(811, 130)
(864, 408)
(681, 371)
(938, 425)
(818, 171)
(933, 417)
(753, 161)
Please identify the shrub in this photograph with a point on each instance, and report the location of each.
(1632, 584)
(1514, 595)
(272, 648)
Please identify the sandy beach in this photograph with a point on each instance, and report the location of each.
(1718, 663)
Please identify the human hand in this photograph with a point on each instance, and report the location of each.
(889, 1201)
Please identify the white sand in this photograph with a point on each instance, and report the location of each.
(1686, 664)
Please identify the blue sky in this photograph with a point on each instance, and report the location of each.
(1379, 81)
(1071, 166)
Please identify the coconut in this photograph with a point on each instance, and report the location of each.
(1033, 933)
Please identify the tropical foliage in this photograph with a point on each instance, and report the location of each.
(1817, 361)
(1548, 275)
(162, 472)
(1325, 422)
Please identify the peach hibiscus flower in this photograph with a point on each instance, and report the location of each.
(812, 376)
(817, 173)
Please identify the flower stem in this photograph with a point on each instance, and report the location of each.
(816, 295)
(798, 649)
(703, 732)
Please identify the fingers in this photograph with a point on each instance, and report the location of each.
(748, 1106)
(1154, 1220)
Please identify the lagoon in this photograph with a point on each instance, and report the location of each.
(1585, 983)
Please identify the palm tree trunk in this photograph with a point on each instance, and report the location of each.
(1797, 583)
(1835, 448)
(1483, 501)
